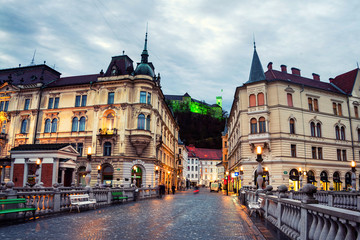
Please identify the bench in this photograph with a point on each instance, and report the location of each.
(255, 206)
(24, 207)
(81, 200)
(119, 196)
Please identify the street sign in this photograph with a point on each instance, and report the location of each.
(236, 174)
(118, 169)
(285, 172)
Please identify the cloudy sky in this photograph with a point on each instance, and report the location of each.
(198, 46)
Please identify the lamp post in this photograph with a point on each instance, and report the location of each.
(98, 176)
(168, 182)
(227, 183)
(156, 176)
(353, 176)
(259, 159)
(88, 169)
(300, 178)
(37, 173)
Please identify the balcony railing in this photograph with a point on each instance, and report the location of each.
(107, 131)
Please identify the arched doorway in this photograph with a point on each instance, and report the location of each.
(337, 181)
(136, 175)
(324, 181)
(348, 180)
(311, 178)
(294, 179)
(107, 174)
(81, 176)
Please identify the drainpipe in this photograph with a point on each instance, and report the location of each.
(351, 133)
(302, 115)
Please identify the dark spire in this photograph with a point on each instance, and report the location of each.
(144, 54)
(256, 71)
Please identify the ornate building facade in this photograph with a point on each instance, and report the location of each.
(120, 113)
(309, 130)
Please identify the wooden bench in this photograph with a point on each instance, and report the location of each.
(23, 207)
(81, 200)
(119, 196)
(255, 206)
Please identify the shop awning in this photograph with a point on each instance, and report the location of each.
(337, 181)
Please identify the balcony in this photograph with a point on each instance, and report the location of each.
(106, 134)
(107, 131)
(259, 138)
(140, 139)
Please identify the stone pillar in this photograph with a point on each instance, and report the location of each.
(62, 175)
(26, 171)
(55, 173)
(73, 177)
(2, 174)
(57, 198)
(304, 224)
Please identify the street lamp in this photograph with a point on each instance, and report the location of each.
(98, 176)
(259, 159)
(300, 178)
(37, 173)
(88, 169)
(353, 176)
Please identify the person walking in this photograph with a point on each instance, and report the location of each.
(173, 189)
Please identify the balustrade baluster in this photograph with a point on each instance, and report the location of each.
(341, 233)
(333, 228)
(314, 223)
(325, 229)
(319, 226)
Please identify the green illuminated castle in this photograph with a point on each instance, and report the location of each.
(184, 103)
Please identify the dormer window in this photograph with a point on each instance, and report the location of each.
(113, 71)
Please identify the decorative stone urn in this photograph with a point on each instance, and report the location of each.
(309, 190)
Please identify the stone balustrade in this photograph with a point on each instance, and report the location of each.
(56, 199)
(310, 214)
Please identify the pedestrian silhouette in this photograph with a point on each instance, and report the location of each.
(173, 189)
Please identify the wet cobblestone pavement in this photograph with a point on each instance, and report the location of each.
(181, 216)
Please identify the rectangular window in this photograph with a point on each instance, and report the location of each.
(111, 97)
(1, 106)
(142, 97)
(339, 110)
(289, 100)
(149, 98)
(310, 104)
(313, 152)
(51, 103)
(6, 106)
(344, 155)
(80, 148)
(56, 103)
(320, 156)
(356, 111)
(293, 150)
(77, 101)
(338, 154)
(316, 106)
(27, 104)
(334, 109)
(83, 100)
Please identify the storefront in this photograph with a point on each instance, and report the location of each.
(336, 181)
(311, 178)
(324, 182)
(294, 182)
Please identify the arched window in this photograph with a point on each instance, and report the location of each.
(54, 125)
(260, 98)
(75, 123)
(110, 121)
(148, 123)
(107, 149)
(262, 125)
(192, 175)
(252, 100)
(113, 71)
(82, 124)
(312, 129)
(253, 125)
(196, 168)
(289, 100)
(318, 130)
(47, 125)
(192, 168)
(342, 131)
(24, 126)
(141, 121)
(337, 133)
(292, 126)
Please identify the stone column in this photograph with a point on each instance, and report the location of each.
(62, 175)
(26, 171)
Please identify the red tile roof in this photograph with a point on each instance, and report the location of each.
(284, 76)
(204, 153)
(346, 81)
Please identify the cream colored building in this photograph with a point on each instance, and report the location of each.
(300, 123)
(121, 114)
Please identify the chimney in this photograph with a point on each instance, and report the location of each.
(283, 68)
(269, 66)
(331, 80)
(295, 71)
(316, 77)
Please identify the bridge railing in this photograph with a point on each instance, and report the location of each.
(305, 218)
(54, 200)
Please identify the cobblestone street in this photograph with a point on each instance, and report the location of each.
(180, 216)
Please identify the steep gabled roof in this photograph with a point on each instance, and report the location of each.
(256, 70)
(346, 81)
